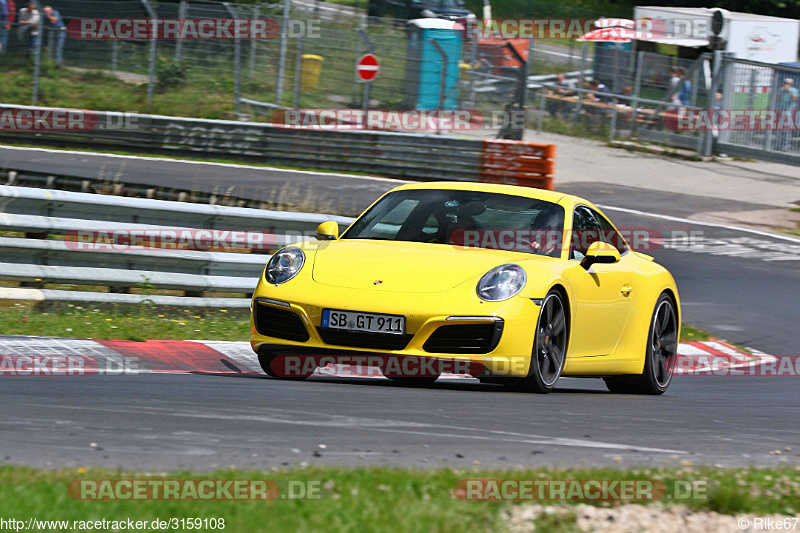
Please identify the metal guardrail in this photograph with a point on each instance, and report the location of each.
(39, 213)
(401, 155)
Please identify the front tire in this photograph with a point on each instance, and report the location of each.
(662, 353)
(549, 346)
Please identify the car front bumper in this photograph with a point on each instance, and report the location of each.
(507, 355)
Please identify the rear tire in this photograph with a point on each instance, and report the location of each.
(549, 347)
(662, 352)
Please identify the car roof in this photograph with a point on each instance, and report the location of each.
(526, 192)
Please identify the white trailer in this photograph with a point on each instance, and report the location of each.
(744, 35)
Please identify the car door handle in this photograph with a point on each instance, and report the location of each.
(626, 289)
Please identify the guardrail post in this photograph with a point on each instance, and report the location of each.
(716, 82)
(443, 76)
(613, 123)
(362, 36)
(584, 52)
(151, 71)
(114, 52)
(473, 60)
(37, 53)
(637, 87)
(253, 49)
(282, 52)
(183, 8)
(237, 62)
(542, 109)
(298, 67)
(51, 40)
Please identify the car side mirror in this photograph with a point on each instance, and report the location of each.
(600, 252)
(329, 231)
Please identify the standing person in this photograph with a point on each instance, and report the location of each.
(674, 79)
(30, 21)
(3, 25)
(10, 18)
(685, 91)
(55, 21)
(787, 101)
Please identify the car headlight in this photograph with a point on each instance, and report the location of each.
(284, 265)
(501, 283)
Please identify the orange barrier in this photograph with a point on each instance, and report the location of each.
(518, 163)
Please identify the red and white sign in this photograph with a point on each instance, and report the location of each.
(367, 67)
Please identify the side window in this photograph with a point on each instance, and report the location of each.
(585, 231)
(608, 234)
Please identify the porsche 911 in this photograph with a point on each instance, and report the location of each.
(522, 285)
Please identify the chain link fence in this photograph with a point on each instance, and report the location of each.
(310, 63)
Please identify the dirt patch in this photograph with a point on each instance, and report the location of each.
(127, 77)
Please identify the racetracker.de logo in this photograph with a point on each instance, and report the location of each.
(47, 120)
(176, 239)
(194, 489)
(637, 490)
(609, 29)
(379, 119)
(294, 366)
(185, 29)
(733, 120)
(57, 119)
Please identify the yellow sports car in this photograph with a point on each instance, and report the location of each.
(511, 285)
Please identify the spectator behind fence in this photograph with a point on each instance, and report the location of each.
(596, 86)
(565, 87)
(788, 96)
(10, 19)
(3, 24)
(56, 23)
(8, 12)
(685, 91)
(674, 78)
(30, 22)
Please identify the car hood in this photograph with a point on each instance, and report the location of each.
(409, 267)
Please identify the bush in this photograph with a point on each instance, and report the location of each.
(169, 74)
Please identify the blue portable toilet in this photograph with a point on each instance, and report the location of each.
(424, 65)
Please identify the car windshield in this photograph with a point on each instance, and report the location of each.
(464, 218)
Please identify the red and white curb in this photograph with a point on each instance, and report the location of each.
(24, 355)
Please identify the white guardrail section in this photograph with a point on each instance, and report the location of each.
(39, 212)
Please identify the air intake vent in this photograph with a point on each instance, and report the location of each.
(465, 338)
(280, 323)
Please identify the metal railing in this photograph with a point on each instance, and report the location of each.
(36, 248)
(400, 155)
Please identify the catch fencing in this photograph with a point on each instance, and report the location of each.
(309, 63)
(644, 101)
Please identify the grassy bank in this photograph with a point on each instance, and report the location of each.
(380, 499)
(136, 323)
(144, 322)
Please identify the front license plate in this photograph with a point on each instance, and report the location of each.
(370, 322)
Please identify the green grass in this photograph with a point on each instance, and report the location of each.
(132, 323)
(61, 87)
(379, 499)
(692, 334)
(145, 322)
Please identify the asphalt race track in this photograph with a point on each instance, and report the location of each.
(736, 284)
